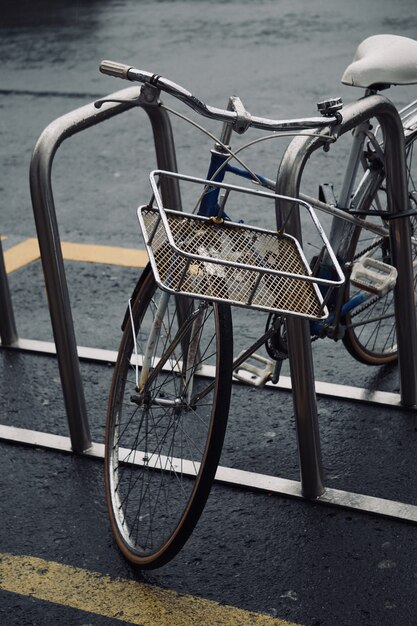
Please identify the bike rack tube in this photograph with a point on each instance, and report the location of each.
(49, 239)
(8, 332)
(299, 343)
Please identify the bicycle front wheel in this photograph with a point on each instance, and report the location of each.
(370, 329)
(163, 441)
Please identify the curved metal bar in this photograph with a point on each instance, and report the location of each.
(298, 330)
(301, 363)
(50, 244)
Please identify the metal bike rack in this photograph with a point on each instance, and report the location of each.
(299, 342)
(49, 240)
(8, 332)
(311, 484)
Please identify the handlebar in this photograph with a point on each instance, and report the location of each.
(127, 72)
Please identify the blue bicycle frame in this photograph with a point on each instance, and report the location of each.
(210, 207)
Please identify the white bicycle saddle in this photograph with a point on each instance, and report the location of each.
(383, 60)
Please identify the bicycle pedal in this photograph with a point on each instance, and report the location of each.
(373, 276)
(252, 374)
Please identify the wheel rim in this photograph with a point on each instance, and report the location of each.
(370, 330)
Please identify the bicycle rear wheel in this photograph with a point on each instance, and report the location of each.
(163, 443)
(370, 330)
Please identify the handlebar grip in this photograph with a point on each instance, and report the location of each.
(119, 70)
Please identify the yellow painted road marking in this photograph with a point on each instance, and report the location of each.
(108, 255)
(125, 600)
(20, 255)
(28, 251)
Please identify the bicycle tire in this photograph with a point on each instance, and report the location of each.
(370, 335)
(154, 501)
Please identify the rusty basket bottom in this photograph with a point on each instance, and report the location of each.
(229, 262)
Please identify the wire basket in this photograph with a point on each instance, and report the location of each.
(229, 262)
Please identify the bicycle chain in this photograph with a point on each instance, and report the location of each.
(364, 307)
(369, 302)
(368, 249)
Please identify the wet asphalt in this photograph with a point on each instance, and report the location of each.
(307, 563)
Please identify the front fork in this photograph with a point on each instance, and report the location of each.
(152, 340)
(188, 336)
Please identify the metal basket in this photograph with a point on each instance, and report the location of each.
(228, 262)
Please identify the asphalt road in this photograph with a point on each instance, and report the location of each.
(303, 562)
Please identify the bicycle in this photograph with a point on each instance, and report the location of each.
(170, 394)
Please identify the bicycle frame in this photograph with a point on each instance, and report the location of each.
(343, 222)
